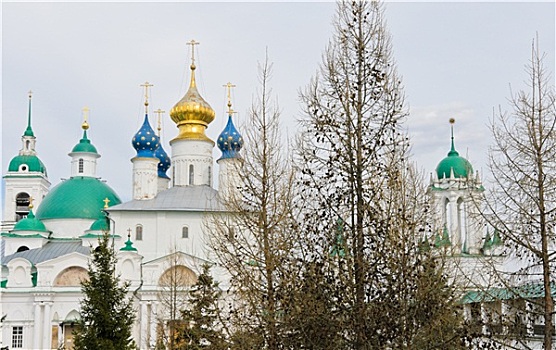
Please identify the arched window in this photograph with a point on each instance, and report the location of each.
(462, 227)
(22, 201)
(139, 233)
(22, 248)
(80, 170)
(27, 145)
(191, 173)
(185, 232)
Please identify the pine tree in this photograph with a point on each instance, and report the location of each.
(107, 313)
(202, 327)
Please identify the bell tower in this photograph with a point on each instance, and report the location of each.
(26, 178)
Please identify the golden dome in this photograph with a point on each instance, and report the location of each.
(192, 114)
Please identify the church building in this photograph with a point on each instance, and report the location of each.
(47, 233)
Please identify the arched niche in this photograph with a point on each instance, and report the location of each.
(178, 275)
(71, 277)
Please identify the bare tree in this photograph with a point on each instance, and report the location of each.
(363, 203)
(521, 203)
(253, 241)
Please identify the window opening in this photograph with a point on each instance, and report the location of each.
(185, 232)
(22, 201)
(17, 337)
(139, 233)
(80, 165)
(191, 173)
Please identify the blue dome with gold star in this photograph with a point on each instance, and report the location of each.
(230, 141)
(145, 140)
(164, 162)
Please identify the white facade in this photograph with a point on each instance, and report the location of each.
(45, 257)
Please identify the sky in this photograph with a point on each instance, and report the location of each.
(457, 60)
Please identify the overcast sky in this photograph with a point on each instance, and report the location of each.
(456, 59)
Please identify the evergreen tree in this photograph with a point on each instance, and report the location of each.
(202, 327)
(106, 313)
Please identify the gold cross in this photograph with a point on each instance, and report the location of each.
(106, 201)
(128, 233)
(146, 85)
(85, 111)
(31, 199)
(229, 87)
(158, 113)
(193, 43)
(30, 94)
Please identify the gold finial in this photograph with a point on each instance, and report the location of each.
(106, 201)
(229, 87)
(452, 120)
(85, 111)
(146, 85)
(30, 94)
(159, 112)
(193, 43)
(31, 199)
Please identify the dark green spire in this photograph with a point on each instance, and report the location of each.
(29, 130)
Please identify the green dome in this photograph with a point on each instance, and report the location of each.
(461, 166)
(100, 224)
(84, 145)
(30, 223)
(33, 163)
(79, 197)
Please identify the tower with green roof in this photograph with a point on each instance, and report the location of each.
(76, 203)
(455, 190)
(26, 178)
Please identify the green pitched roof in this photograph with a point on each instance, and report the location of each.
(78, 197)
(33, 163)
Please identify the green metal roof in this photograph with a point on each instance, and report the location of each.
(78, 197)
(33, 163)
(461, 167)
(84, 145)
(526, 291)
(100, 225)
(30, 223)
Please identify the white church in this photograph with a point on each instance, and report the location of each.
(47, 233)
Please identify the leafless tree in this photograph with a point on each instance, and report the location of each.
(521, 203)
(363, 203)
(253, 241)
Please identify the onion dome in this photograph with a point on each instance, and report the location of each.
(192, 114)
(460, 166)
(79, 197)
(164, 162)
(145, 140)
(84, 145)
(230, 141)
(128, 245)
(30, 223)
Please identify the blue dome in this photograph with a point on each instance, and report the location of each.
(145, 140)
(230, 141)
(164, 162)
